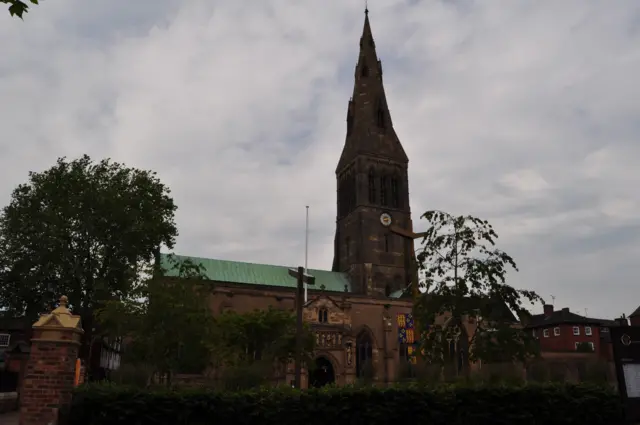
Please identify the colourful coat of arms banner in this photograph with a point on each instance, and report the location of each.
(406, 335)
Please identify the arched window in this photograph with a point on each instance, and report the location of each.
(386, 243)
(395, 193)
(352, 191)
(364, 354)
(348, 246)
(349, 123)
(387, 290)
(323, 315)
(341, 205)
(372, 187)
(383, 191)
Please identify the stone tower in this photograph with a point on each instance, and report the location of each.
(373, 186)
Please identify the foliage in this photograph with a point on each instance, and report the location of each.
(167, 322)
(261, 336)
(464, 277)
(596, 372)
(584, 347)
(83, 229)
(137, 376)
(18, 7)
(241, 377)
(450, 404)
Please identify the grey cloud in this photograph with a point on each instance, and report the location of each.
(524, 113)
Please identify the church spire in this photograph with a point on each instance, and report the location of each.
(369, 127)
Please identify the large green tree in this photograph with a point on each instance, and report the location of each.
(18, 7)
(83, 229)
(465, 279)
(247, 347)
(167, 323)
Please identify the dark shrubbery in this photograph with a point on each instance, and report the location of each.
(449, 404)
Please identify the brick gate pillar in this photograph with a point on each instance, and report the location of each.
(50, 373)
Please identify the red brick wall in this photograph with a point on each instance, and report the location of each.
(566, 341)
(48, 381)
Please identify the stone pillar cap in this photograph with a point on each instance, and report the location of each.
(61, 317)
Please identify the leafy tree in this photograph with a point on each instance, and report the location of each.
(82, 229)
(584, 347)
(18, 7)
(166, 322)
(257, 341)
(464, 279)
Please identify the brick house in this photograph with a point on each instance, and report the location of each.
(563, 331)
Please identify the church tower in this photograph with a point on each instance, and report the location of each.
(372, 186)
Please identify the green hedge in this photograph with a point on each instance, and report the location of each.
(451, 405)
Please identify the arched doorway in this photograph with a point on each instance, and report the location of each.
(323, 374)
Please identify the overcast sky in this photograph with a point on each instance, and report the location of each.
(525, 113)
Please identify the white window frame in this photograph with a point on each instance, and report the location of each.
(556, 331)
(576, 330)
(5, 340)
(545, 333)
(588, 331)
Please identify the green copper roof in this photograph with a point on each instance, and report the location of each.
(257, 274)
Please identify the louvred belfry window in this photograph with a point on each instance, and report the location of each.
(383, 191)
(395, 193)
(372, 187)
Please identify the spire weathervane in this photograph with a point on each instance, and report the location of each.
(366, 7)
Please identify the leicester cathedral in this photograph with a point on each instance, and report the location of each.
(360, 311)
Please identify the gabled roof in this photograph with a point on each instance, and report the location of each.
(635, 313)
(560, 317)
(257, 274)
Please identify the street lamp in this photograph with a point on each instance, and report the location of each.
(302, 278)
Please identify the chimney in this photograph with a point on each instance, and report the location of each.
(548, 310)
(622, 321)
(566, 309)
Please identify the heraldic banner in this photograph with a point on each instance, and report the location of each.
(406, 335)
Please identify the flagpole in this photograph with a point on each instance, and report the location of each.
(306, 251)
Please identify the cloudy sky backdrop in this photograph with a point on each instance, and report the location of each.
(525, 113)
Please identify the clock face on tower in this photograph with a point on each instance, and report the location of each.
(385, 219)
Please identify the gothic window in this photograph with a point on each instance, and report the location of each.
(349, 123)
(341, 204)
(346, 193)
(395, 193)
(364, 354)
(353, 191)
(348, 243)
(387, 290)
(386, 243)
(383, 191)
(372, 187)
(349, 194)
(323, 315)
(404, 352)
